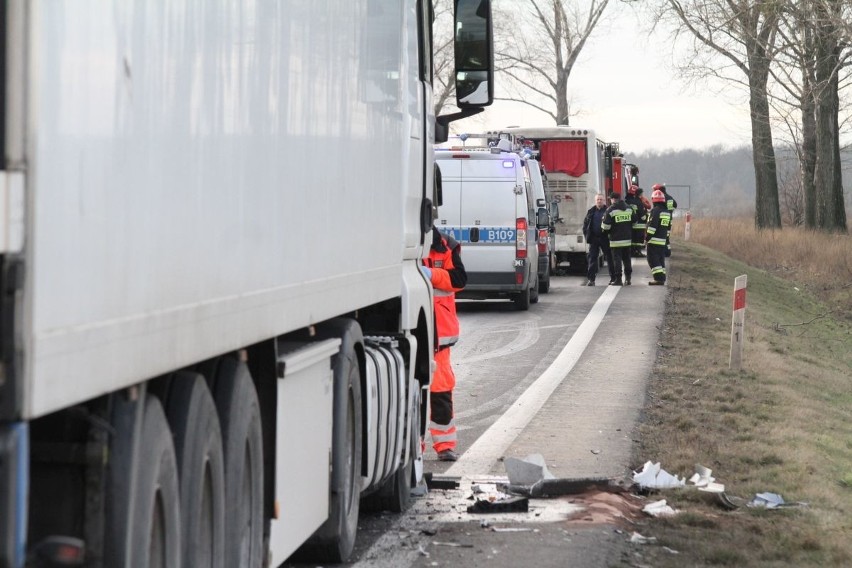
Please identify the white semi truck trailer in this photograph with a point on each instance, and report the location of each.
(215, 340)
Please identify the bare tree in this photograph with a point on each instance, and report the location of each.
(808, 69)
(743, 33)
(538, 52)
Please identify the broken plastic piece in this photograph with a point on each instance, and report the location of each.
(653, 476)
(527, 471)
(659, 509)
(768, 500)
(441, 481)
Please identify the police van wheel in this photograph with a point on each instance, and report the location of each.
(544, 282)
(522, 300)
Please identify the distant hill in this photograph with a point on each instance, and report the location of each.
(720, 180)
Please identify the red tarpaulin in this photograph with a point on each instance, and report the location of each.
(566, 156)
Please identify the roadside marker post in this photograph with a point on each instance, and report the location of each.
(737, 322)
(686, 230)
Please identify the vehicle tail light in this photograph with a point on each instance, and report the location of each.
(542, 241)
(521, 238)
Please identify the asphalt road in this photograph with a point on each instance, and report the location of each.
(565, 380)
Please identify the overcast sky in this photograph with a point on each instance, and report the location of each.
(624, 88)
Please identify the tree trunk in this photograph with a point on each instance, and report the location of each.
(830, 209)
(767, 211)
(807, 159)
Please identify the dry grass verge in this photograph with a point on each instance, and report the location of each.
(782, 424)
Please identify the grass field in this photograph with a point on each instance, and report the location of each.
(781, 424)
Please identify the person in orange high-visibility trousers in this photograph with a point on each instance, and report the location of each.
(443, 266)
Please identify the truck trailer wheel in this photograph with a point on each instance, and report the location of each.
(334, 540)
(198, 447)
(143, 506)
(242, 442)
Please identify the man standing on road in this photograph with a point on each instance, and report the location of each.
(598, 243)
(444, 269)
(618, 225)
(656, 236)
(638, 238)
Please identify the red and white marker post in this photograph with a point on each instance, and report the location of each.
(686, 230)
(737, 322)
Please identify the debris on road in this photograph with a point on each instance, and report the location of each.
(773, 501)
(659, 509)
(510, 505)
(528, 471)
(637, 538)
(513, 529)
(452, 544)
(704, 480)
(653, 476)
(441, 481)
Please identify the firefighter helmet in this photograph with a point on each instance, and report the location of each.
(658, 196)
(660, 186)
(633, 190)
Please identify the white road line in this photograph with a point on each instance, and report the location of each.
(494, 442)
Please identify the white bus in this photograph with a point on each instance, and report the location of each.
(575, 162)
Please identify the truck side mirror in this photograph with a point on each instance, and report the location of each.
(474, 54)
(542, 220)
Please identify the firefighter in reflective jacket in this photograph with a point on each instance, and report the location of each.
(635, 203)
(443, 266)
(671, 205)
(617, 224)
(656, 236)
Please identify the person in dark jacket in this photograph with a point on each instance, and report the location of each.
(618, 226)
(656, 237)
(444, 269)
(638, 238)
(597, 241)
(671, 205)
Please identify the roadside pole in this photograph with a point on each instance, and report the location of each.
(686, 229)
(737, 329)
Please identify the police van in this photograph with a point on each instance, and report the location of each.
(488, 206)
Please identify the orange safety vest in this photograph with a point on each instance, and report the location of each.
(446, 320)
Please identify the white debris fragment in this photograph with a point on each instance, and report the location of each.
(768, 500)
(527, 471)
(653, 476)
(704, 480)
(659, 509)
(637, 538)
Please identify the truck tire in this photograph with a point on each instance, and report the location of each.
(150, 534)
(522, 300)
(242, 443)
(534, 290)
(198, 446)
(334, 540)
